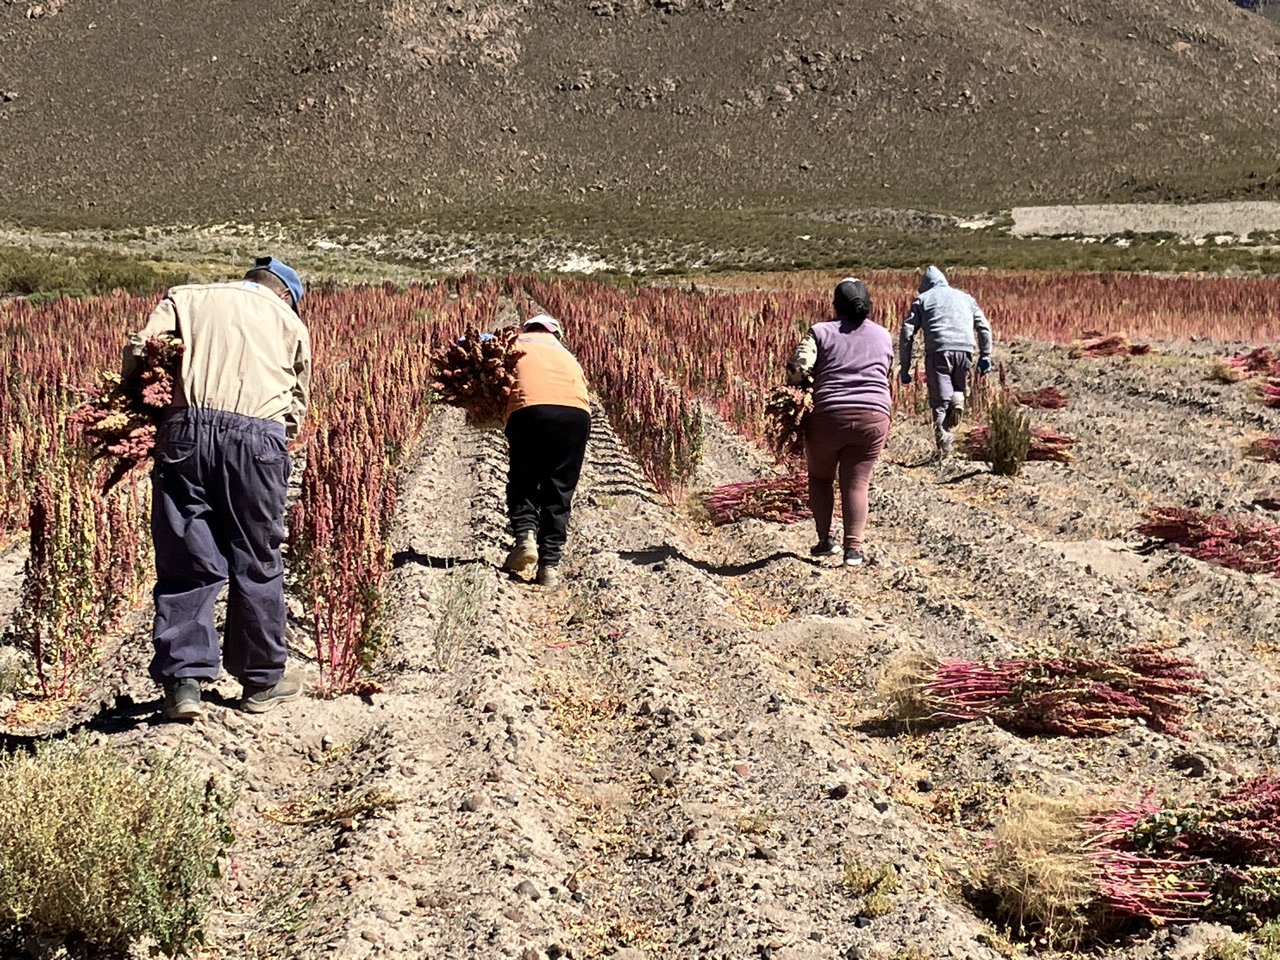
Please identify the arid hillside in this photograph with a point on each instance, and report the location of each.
(145, 111)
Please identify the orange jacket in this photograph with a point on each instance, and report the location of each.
(547, 374)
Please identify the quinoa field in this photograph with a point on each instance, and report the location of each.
(1042, 720)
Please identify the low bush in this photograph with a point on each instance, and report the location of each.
(97, 851)
(874, 888)
(78, 272)
(1008, 438)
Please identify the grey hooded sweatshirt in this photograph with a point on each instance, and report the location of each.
(948, 317)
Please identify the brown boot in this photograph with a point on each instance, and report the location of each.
(548, 576)
(524, 553)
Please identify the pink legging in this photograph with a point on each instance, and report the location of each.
(851, 440)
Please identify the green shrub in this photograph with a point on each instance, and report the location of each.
(1009, 437)
(78, 272)
(95, 850)
(874, 888)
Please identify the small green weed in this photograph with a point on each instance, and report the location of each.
(458, 603)
(14, 671)
(756, 824)
(875, 888)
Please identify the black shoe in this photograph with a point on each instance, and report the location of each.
(261, 699)
(824, 548)
(853, 558)
(548, 576)
(181, 699)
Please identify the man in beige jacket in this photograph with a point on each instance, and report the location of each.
(220, 481)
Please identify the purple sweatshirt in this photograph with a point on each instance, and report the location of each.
(852, 371)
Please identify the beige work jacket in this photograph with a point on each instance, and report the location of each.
(246, 352)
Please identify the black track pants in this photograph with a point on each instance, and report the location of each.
(547, 445)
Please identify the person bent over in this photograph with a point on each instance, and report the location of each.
(220, 481)
(949, 319)
(850, 360)
(548, 420)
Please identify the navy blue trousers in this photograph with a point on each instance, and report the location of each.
(218, 492)
(547, 444)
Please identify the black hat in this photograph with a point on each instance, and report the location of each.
(852, 299)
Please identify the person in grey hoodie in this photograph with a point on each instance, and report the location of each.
(949, 319)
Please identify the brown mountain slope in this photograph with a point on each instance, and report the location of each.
(127, 111)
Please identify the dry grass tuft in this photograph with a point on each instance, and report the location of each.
(459, 602)
(756, 824)
(1038, 873)
(334, 809)
(1008, 437)
(902, 683)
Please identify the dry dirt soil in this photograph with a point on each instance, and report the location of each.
(162, 112)
(678, 753)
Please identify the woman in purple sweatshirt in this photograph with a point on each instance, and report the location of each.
(848, 360)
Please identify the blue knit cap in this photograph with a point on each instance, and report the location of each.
(286, 273)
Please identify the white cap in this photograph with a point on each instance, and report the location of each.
(550, 324)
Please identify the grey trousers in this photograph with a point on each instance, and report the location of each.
(947, 374)
(218, 493)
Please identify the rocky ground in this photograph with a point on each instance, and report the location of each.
(683, 751)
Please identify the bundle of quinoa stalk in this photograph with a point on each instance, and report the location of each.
(787, 410)
(1065, 696)
(1245, 543)
(1265, 448)
(1215, 858)
(119, 416)
(477, 373)
(780, 499)
(1045, 398)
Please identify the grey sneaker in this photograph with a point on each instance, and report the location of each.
(548, 576)
(261, 699)
(824, 548)
(853, 558)
(181, 699)
(946, 444)
(524, 553)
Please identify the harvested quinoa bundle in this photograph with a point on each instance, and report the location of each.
(1106, 864)
(1046, 398)
(1265, 448)
(1244, 543)
(119, 415)
(787, 411)
(1095, 344)
(780, 499)
(477, 373)
(1266, 390)
(1246, 365)
(1072, 696)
